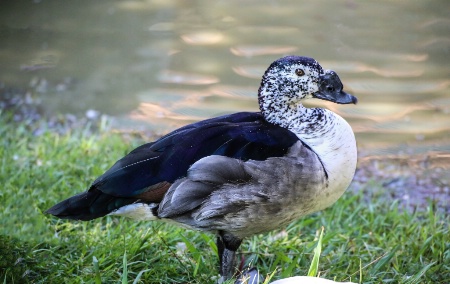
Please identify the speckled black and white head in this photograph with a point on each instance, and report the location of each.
(286, 83)
(291, 79)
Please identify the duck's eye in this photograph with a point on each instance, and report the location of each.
(299, 72)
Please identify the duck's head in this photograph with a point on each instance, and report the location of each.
(291, 79)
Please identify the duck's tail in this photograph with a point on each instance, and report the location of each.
(88, 205)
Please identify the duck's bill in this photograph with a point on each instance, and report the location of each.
(330, 89)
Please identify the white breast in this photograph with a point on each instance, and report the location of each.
(335, 145)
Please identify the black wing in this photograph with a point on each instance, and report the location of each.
(242, 136)
(147, 172)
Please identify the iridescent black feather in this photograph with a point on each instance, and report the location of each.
(244, 136)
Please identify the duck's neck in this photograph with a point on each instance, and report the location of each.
(327, 134)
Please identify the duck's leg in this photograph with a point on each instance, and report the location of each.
(227, 245)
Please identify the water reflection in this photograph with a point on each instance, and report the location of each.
(162, 64)
(256, 50)
(413, 90)
(250, 71)
(173, 77)
(389, 71)
(203, 37)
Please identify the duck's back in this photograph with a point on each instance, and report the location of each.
(146, 173)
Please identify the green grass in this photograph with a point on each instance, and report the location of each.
(363, 242)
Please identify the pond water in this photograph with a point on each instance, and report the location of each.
(161, 64)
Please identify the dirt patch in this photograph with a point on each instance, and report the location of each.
(417, 181)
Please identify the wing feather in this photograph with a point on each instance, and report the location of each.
(242, 136)
(148, 172)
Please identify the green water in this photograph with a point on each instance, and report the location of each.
(161, 64)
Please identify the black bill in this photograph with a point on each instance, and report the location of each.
(330, 89)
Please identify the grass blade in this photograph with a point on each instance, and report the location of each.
(97, 278)
(360, 271)
(138, 277)
(125, 269)
(314, 267)
(384, 260)
(415, 278)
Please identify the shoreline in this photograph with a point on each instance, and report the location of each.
(415, 181)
